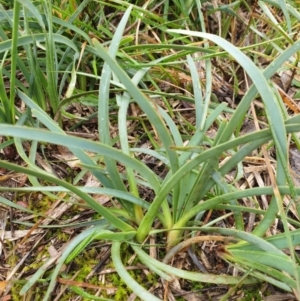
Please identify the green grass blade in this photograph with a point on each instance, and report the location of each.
(80, 292)
(200, 277)
(51, 60)
(5, 108)
(123, 102)
(36, 14)
(199, 103)
(277, 278)
(136, 288)
(14, 55)
(78, 143)
(103, 111)
(40, 37)
(90, 201)
(279, 241)
(268, 259)
(283, 6)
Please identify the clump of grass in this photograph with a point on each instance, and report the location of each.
(125, 84)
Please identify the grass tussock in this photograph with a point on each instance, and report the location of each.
(149, 150)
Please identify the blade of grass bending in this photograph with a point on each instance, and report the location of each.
(103, 109)
(251, 93)
(245, 236)
(92, 190)
(154, 269)
(40, 37)
(66, 25)
(278, 240)
(79, 143)
(268, 249)
(136, 288)
(292, 10)
(254, 268)
(193, 276)
(268, 259)
(119, 224)
(152, 153)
